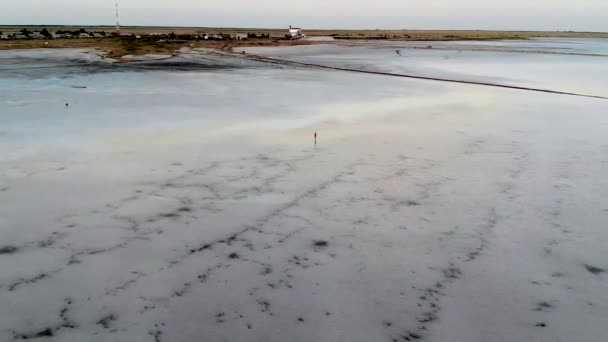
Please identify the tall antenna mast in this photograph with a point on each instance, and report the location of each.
(117, 20)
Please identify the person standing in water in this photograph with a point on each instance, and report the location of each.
(315, 138)
(67, 105)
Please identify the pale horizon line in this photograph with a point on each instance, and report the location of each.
(279, 28)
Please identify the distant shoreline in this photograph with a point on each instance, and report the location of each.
(213, 28)
(401, 34)
(167, 40)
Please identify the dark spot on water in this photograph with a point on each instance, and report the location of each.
(105, 321)
(202, 248)
(542, 325)
(543, 306)
(592, 269)
(8, 249)
(300, 319)
(184, 209)
(169, 215)
(452, 273)
(45, 332)
(233, 255)
(387, 323)
(327, 313)
(219, 317)
(48, 332)
(157, 334)
(412, 203)
(321, 243)
(46, 243)
(73, 260)
(264, 305)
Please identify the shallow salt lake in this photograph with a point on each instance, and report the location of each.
(569, 65)
(186, 200)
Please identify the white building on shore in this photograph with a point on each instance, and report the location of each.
(295, 33)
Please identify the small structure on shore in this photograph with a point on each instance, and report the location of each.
(295, 33)
(213, 37)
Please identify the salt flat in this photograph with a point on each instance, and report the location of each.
(185, 199)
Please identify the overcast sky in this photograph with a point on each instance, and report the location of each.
(580, 15)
